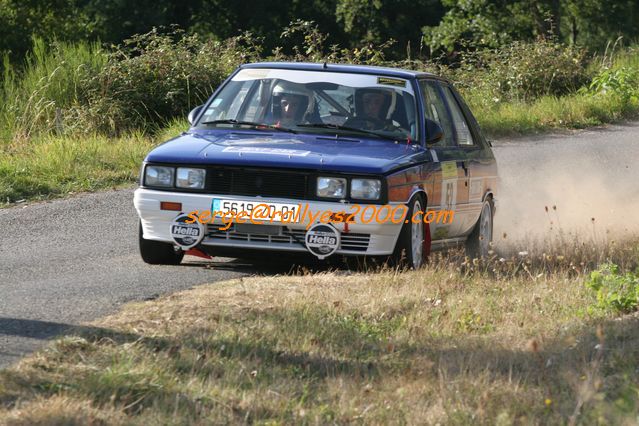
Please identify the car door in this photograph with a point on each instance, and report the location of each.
(450, 191)
(475, 155)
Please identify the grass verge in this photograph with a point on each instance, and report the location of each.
(434, 346)
(54, 166)
(551, 113)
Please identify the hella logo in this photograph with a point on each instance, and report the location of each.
(184, 230)
(316, 239)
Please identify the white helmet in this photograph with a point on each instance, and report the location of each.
(284, 87)
(390, 103)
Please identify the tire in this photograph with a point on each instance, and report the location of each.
(479, 241)
(157, 252)
(409, 250)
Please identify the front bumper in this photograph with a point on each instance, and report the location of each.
(358, 238)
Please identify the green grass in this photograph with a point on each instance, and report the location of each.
(54, 166)
(51, 80)
(172, 129)
(443, 345)
(553, 113)
(549, 113)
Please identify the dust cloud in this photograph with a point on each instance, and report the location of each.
(583, 186)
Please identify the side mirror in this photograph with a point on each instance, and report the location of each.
(434, 132)
(194, 113)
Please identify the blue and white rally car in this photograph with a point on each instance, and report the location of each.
(321, 158)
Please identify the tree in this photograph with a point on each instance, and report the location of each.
(21, 20)
(494, 23)
(375, 21)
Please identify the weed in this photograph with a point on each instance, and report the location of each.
(623, 82)
(617, 292)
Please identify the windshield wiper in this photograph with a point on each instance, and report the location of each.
(249, 123)
(348, 129)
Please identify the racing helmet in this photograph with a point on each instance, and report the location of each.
(388, 106)
(293, 91)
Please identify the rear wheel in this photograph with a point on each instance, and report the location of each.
(157, 252)
(410, 250)
(479, 241)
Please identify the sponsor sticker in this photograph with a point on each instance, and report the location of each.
(260, 150)
(449, 170)
(186, 235)
(391, 81)
(322, 240)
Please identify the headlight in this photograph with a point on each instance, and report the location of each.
(158, 176)
(190, 178)
(366, 189)
(331, 187)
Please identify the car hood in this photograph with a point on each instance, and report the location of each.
(265, 149)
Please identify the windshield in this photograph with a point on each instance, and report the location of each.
(315, 102)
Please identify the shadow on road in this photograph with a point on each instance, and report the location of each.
(36, 329)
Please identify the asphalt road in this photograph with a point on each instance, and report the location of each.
(73, 260)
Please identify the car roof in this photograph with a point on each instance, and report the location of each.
(355, 69)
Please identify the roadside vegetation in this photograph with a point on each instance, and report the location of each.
(80, 116)
(534, 339)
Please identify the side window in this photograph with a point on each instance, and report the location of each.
(255, 106)
(228, 107)
(435, 109)
(464, 136)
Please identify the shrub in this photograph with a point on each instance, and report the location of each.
(616, 292)
(311, 47)
(155, 77)
(523, 71)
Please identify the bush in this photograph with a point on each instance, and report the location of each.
(523, 71)
(616, 292)
(311, 47)
(156, 77)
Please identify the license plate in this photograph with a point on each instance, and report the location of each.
(264, 211)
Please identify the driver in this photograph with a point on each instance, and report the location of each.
(373, 109)
(291, 102)
(373, 103)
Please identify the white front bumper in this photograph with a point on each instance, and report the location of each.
(156, 224)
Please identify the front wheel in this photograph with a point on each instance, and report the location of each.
(410, 250)
(157, 252)
(479, 241)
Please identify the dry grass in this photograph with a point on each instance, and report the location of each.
(453, 343)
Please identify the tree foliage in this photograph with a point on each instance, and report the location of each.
(416, 26)
(494, 23)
